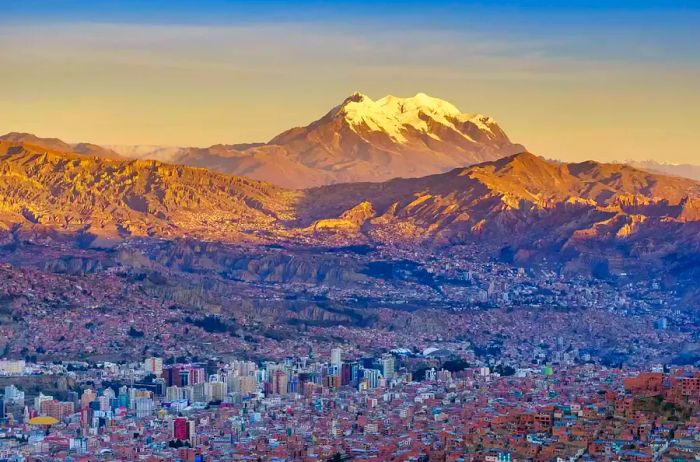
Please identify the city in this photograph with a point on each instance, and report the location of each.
(401, 406)
(347, 231)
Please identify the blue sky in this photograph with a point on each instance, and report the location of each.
(585, 80)
(669, 27)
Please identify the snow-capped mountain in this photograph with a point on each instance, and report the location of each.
(364, 140)
(358, 140)
(400, 118)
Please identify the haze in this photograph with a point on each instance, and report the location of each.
(574, 83)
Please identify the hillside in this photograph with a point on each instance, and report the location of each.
(55, 144)
(66, 192)
(531, 209)
(534, 208)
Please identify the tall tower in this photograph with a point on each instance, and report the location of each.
(336, 357)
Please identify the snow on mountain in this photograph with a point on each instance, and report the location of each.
(358, 140)
(685, 170)
(394, 116)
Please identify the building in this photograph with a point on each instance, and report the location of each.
(40, 399)
(216, 391)
(57, 409)
(243, 384)
(279, 381)
(89, 395)
(153, 366)
(372, 377)
(197, 375)
(11, 367)
(336, 357)
(182, 429)
(144, 407)
(13, 395)
(388, 366)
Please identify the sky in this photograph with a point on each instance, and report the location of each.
(576, 82)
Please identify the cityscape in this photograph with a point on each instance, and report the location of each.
(316, 408)
(213, 247)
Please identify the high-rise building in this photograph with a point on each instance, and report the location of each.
(184, 377)
(14, 395)
(40, 399)
(197, 375)
(72, 397)
(144, 407)
(200, 393)
(217, 391)
(372, 377)
(182, 429)
(345, 374)
(89, 395)
(153, 366)
(171, 374)
(388, 366)
(57, 409)
(104, 402)
(244, 385)
(293, 385)
(243, 368)
(354, 372)
(78, 445)
(336, 357)
(279, 382)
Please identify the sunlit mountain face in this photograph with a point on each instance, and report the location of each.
(358, 140)
(537, 208)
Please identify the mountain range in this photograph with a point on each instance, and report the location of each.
(683, 170)
(586, 216)
(358, 140)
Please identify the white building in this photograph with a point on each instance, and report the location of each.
(12, 367)
(153, 366)
(336, 357)
(13, 394)
(144, 407)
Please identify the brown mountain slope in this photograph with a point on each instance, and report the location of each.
(578, 214)
(519, 182)
(54, 144)
(62, 191)
(536, 208)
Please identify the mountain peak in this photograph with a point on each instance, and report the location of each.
(394, 116)
(356, 97)
(362, 139)
(523, 157)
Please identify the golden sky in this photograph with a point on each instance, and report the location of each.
(568, 93)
